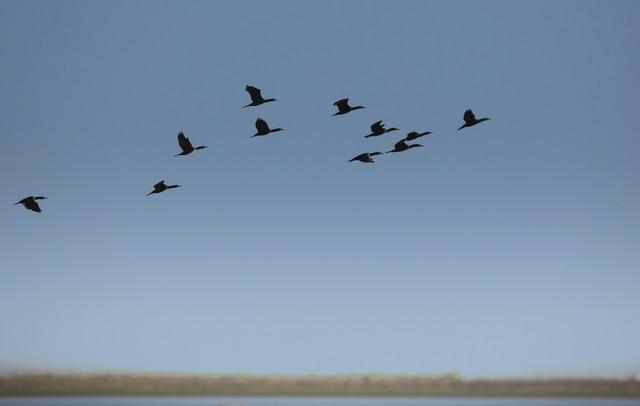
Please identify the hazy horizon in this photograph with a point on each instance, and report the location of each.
(506, 249)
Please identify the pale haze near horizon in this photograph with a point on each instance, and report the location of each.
(508, 248)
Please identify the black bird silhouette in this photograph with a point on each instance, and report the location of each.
(263, 128)
(186, 146)
(344, 108)
(403, 146)
(413, 135)
(365, 157)
(471, 120)
(30, 203)
(377, 128)
(256, 97)
(161, 187)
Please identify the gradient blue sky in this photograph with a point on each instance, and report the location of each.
(510, 248)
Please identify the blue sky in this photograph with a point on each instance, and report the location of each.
(509, 248)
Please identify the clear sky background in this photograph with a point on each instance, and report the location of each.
(509, 248)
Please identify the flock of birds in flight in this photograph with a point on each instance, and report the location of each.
(377, 129)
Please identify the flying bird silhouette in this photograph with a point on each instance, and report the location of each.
(344, 108)
(413, 135)
(365, 157)
(31, 204)
(186, 146)
(403, 146)
(161, 187)
(471, 120)
(263, 128)
(377, 129)
(256, 97)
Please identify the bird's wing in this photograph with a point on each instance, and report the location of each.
(159, 184)
(469, 117)
(254, 92)
(377, 127)
(32, 205)
(342, 104)
(400, 144)
(262, 126)
(184, 142)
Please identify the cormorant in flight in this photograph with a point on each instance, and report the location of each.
(377, 128)
(263, 128)
(413, 135)
(471, 120)
(256, 97)
(186, 146)
(161, 187)
(365, 157)
(344, 108)
(30, 203)
(403, 146)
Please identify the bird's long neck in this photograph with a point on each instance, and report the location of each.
(273, 130)
(201, 147)
(482, 119)
(391, 129)
(270, 100)
(172, 186)
(357, 107)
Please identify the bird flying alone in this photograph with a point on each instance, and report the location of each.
(186, 146)
(31, 204)
(263, 128)
(344, 108)
(377, 129)
(413, 135)
(471, 120)
(365, 157)
(256, 97)
(161, 187)
(403, 146)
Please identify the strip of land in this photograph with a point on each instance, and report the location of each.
(106, 384)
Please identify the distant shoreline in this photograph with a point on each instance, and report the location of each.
(449, 385)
